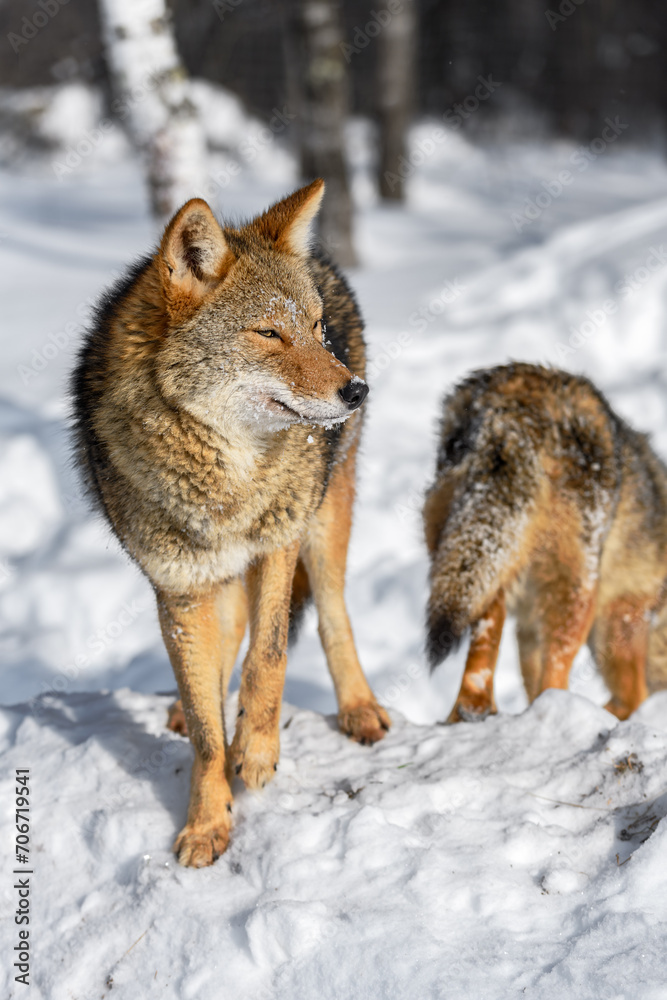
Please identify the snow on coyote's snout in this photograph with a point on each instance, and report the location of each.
(546, 500)
(217, 422)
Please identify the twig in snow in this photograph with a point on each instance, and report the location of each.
(559, 802)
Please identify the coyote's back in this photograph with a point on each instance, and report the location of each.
(545, 498)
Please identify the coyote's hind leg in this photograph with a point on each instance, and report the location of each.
(567, 616)
(256, 745)
(621, 646)
(529, 639)
(475, 699)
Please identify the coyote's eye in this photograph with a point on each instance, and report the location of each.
(268, 333)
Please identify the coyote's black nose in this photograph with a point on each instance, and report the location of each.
(354, 393)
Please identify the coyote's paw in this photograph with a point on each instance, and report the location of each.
(464, 713)
(366, 723)
(254, 755)
(619, 709)
(176, 719)
(199, 846)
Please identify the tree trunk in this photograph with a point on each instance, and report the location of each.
(322, 113)
(397, 49)
(151, 96)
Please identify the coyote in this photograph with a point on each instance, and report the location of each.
(545, 500)
(217, 422)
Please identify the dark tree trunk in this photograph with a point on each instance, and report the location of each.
(323, 109)
(396, 89)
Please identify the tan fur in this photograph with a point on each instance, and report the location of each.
(325, 556)
(217, 428)
(544, 495)
(475, 698)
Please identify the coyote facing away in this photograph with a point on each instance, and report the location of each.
(546, 502)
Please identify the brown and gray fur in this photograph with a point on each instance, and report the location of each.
(548, 504)
(217, 424)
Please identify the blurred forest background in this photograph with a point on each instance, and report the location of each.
(589, 59)
(552, 67)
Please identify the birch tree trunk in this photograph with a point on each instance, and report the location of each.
(397, 48)
(322, 114)
(150, 91)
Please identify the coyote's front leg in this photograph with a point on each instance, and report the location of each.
(193, 637)
(233, 617)
(256, 746)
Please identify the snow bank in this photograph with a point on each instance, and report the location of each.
(518, 857)
(71, 123)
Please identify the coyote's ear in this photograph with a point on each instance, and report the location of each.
(287, 223)
(193, 257)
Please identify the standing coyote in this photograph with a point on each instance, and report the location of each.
(217, 424)
(544, 498)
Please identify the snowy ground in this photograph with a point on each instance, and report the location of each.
(501, 860)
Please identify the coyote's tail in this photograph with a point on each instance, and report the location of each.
(491, 488)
